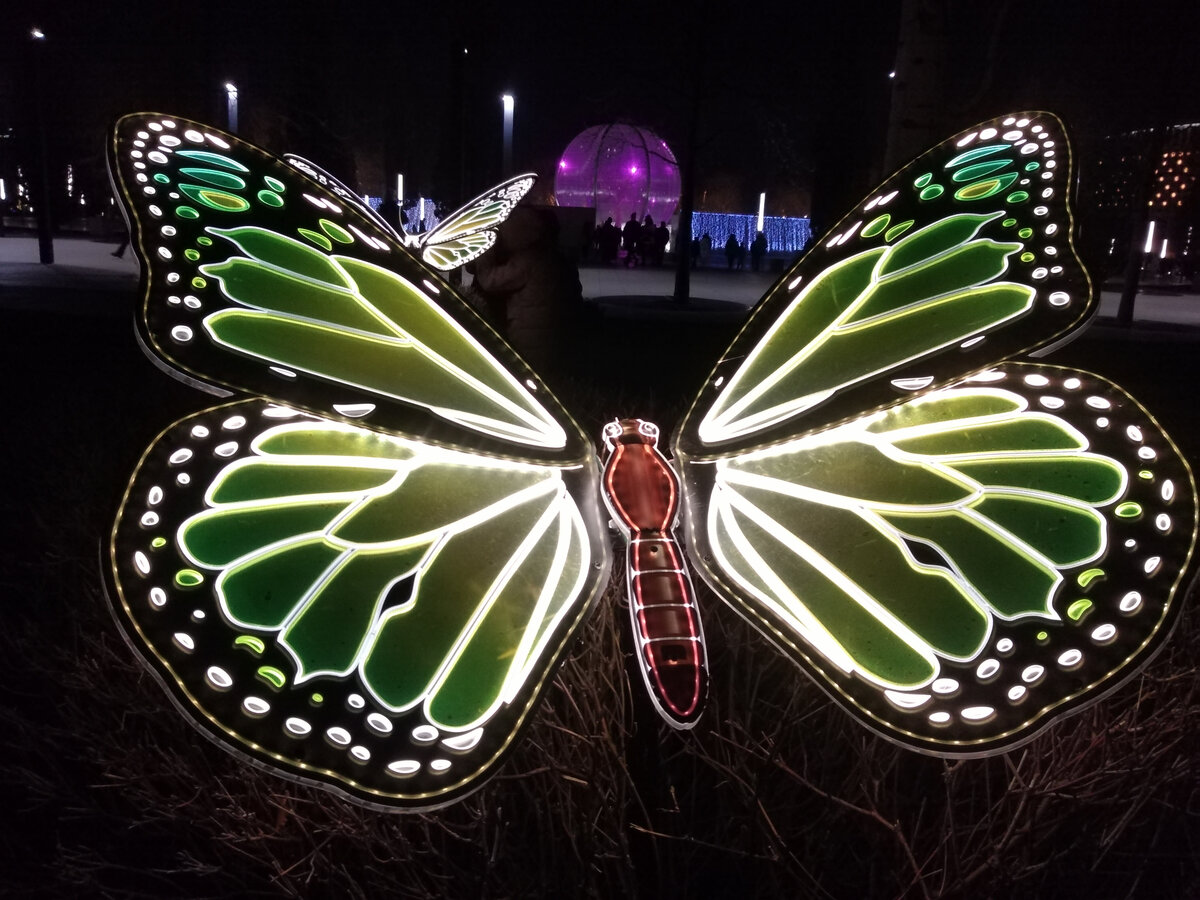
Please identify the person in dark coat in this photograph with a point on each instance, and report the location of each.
(530, 289)
(732, 250)
(630, 235)
(662, 237)
(758, 249)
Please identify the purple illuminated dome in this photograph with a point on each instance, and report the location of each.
(618, 170)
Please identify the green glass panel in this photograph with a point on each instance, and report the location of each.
(932, 192)
(1011, 582)
(463, 696)
(1077, 610)
(328, 631)
(983, 189)
(222, 201)
(186, 212)
(1017, 197)
(1032, 166)
(923, 180)
(336, 231)
(256, 285)
(412, 644)
(1086, 577)
(204, 241)
(319, 239)
(896, 230)
(285, 253)
(254, 644)
(1026, 434)
(956, 270)
(213, 159)
(191, 255)
(268, 479)
(1025, 234)
(1009, 222)
(161, 178)
(950, 407)
(876, 225)
(862, 471)
(270, 198)
(928, 243)
(188, 578)
(272, 676)
(215, 177)
(980, 170)
(1089, 478)
(977, 153)
(158, 543)
(264, 590)
(1129, 510)
(873, 645)
(219, 536)
(1027, 257)
(926, 600)
(331, 440)
(274, 184)
(199, 283)
(1064, 534)
(432, 497)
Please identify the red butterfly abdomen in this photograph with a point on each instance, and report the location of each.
(642, 492)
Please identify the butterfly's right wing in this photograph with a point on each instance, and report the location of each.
(469, 232)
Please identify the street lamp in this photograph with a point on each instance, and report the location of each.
(762, 208)
(509, 103)
(231, 94)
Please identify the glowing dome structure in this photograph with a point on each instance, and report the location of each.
(618, 170)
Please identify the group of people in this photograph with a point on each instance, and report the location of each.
(735, 253)
(644, 242)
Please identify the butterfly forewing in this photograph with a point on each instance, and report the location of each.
(260, 279)
(469, 232)
(961, 259)
(373, 613)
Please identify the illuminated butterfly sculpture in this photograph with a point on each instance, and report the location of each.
(364, 568)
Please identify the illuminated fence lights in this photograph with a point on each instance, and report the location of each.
(784, 234)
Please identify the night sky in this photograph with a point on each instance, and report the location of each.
(790, 98)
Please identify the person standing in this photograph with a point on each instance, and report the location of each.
(758, 249)
(732, 251)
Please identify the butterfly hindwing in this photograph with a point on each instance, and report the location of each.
(260, 279)
(375, 614)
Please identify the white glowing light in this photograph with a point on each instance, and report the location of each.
(439, 765)
(1033, 674)
(1130, 602)
(1149, 248)
(403, 767)
(461, 743)
(218, 679)
(762, 206)
(255, 707)
(297, 727)
(1017, 694)
(338, 736)
(379, 724)
(158, 597)
(184, 641)
(987, 669)
(425, 734)
(1104, 633)
(978, 713)
(141, 562)
(360, 753)
(907, 701)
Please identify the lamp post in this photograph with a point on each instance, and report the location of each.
(39, 184)
(762, 208)
(506, 161)
(231, 97)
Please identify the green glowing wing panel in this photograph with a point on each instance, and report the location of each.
(373, 613)
(958, 569)
(961, 259)
(260, 276)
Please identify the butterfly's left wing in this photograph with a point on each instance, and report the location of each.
(957, 558)
(467, 233)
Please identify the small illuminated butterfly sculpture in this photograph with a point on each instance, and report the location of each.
(363, 568)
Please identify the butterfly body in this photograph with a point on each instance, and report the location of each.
(364, 572)
(641, 491)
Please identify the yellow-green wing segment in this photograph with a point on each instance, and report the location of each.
(959, 568)
(359, 324)
(961, 259)
(268, 278)
(374, 613)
